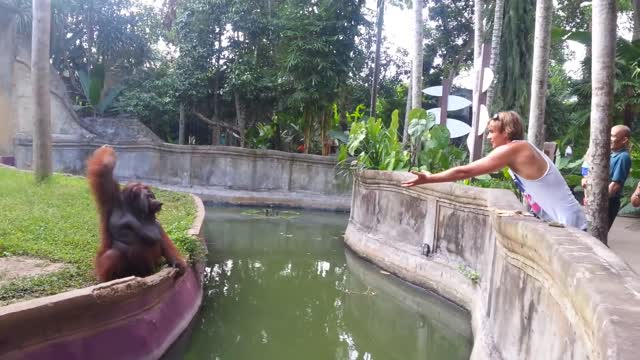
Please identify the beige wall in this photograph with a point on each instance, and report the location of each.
(7, 54)
(16, 101)
(63, 118)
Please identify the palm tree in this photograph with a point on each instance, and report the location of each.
(40, 65)
(181, 125)
(636, 20)
(416, 69)
(602, 77)
(405, 130)
(513, 71)
(478, 29)
(498, 18)
(541, 45)
(376, 65)
(478, 34)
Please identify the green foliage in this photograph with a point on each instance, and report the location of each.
(513, 73)
(377, 147)
(99, 99)
(449, 38)
(570, 170)
(498, 180)
(569, 101)
(152, 96)
(374, 146)
(429, 143)
(633, 179)
(469, 273)
(264, 137)
(56, 220)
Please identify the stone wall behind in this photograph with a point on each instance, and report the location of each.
(222, 167)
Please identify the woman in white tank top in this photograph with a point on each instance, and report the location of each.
(536, 176)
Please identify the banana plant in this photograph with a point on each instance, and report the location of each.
(429, 143)
(99, 99)
(374, 146)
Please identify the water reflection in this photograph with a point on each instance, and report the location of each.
(287, 289)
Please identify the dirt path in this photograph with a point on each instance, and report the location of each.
(13, 267)
(624, 240)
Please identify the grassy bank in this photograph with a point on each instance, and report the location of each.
(57, 220)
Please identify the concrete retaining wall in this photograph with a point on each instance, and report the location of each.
(190, 166)
(543, 292)
(131, 318)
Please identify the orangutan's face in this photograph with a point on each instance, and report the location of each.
(141, 198)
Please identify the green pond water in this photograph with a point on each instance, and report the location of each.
(286, 287)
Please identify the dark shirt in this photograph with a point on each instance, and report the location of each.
(619, 168)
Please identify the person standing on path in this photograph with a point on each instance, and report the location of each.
(619, 168)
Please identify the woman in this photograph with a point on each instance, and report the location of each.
(534, 173)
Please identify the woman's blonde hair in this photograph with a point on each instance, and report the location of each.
(509, 122)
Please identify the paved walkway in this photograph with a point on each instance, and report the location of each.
(624, 240)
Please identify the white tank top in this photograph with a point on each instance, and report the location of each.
(549, 196)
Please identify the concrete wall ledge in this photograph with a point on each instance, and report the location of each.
(129, 318)
(208, 170)
(543, 292)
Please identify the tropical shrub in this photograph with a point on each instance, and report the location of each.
(374, 146)
(99, 98)
(429, 144)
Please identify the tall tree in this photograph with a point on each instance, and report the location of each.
(41, 34)
(405, 127)
(513, 71)
(541, 46)
(478, 29)
(475, 149)
(376, 64)
(416, 68)
(498, 18)
(449, 37)
(316, 55)
(636, 20)
(181, 121)
(602, 78)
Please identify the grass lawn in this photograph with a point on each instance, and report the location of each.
(57, 220)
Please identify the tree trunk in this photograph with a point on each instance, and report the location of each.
(181, 126)
(405, 128)
(307, 130)
(40, 67)
(475, 150)
(240, 116)
(539, 71)
(90, 35)
(277, 137)
(326, 147)
(498, 18)
(376, 65)
(474, 146)
(444, 99)
(602, 75)
(215, 135)
(416, 70)
(215, 132)
(636, 20)
(478, 29)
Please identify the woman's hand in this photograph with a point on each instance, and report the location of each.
(422, 178)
